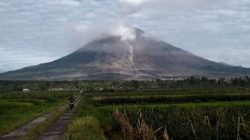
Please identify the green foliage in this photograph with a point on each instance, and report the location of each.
(84, 128)
(36, 130)
(186, 114)
(170, 99)
(85, 124)
(18, 108)
(196, 123)
(134, 85)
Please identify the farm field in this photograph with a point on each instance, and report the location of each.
(19, 108)
(163, 116)
(135, 115)
(125, 70)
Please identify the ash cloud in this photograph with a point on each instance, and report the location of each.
(79, 35)
(59, 27)
(126, 32)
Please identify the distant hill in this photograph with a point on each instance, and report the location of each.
(3, 70)
(130, 55)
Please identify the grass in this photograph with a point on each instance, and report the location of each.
(224, 123)
(171, 95)
(184, 121)
(172, 92)
(188, 104)
(84, 128)
(17, 109)
(177, 119)
(194, 114)
(156, 99)
(37, 130)
(85, 125)
(17, 114)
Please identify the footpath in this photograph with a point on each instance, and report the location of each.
(53, 132)
(24, 129)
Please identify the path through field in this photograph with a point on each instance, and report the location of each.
(22, 131)
(56, 130)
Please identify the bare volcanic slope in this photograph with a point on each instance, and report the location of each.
(125, 55)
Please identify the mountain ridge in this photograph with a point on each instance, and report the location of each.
(127, 54)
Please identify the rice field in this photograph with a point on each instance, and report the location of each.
(19, 108)
(163, 116)
(150, 115)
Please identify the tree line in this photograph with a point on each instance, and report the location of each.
(119, 85)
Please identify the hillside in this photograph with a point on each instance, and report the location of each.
(130, 55)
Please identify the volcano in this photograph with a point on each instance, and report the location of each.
(128, 54)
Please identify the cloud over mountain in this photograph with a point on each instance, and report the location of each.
(128, 54)
(44, 30)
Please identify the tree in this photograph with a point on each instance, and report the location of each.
(135, 84)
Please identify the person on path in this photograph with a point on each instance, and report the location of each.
(71, 102)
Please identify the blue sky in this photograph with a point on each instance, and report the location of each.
(38, 31)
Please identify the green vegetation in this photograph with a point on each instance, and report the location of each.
(18, 108)
(167, 115)
(189, 83)
(38, 129)
(202, 123)
(193, 108)
(183, 105)
(170, 99)
(85, 125)
(87, 128)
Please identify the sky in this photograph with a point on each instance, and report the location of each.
(39, 31)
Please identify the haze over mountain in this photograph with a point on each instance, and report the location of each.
(126, 53)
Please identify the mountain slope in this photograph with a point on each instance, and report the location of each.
(129, 54)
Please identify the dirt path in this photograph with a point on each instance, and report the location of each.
(22, 131)
(56, 130)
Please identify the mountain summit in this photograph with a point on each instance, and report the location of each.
(127, 53)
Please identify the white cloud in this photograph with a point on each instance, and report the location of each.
(133, 2)
(126, 32)
(55, 28)
(163, 7)
(65, 2)
(81, 34)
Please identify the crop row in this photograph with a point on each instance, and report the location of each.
(170, 99)
(227, 123)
